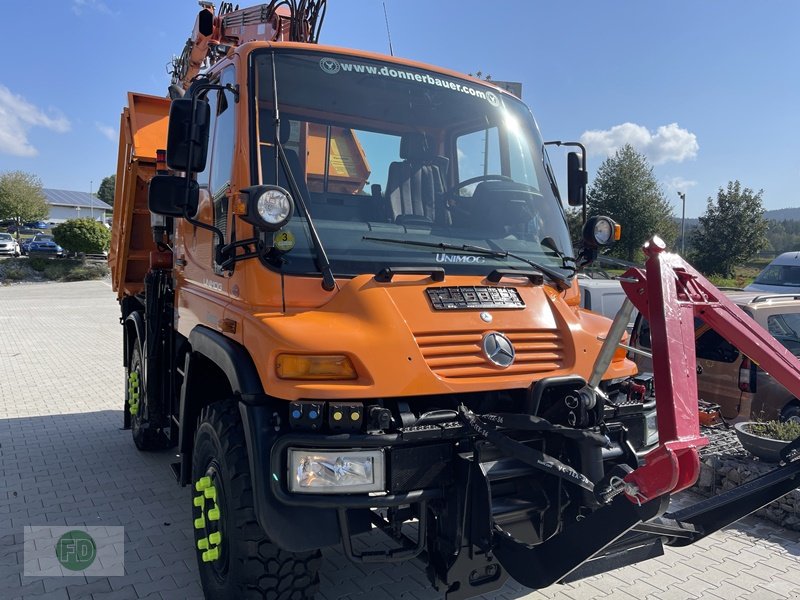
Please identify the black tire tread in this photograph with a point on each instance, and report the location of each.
(267, 572)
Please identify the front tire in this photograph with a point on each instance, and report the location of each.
(235, 557)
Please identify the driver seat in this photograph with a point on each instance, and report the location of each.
(415, 186)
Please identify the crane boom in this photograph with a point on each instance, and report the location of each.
(217, 33)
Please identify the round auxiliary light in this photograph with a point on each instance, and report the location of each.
(599, 231)
(274, 206)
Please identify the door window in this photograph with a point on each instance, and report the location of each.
(222, 152)
(712, 346)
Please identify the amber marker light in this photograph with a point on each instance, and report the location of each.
(617, 232)
(302, 366)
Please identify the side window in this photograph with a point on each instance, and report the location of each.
(204, 176)
(712, 346)
(222, 146)
(478, 154)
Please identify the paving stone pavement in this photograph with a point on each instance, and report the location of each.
(65, 461)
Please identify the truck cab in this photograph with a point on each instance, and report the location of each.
(344, 267)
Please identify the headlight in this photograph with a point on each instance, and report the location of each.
(268, 207)
(650, 429)
(332, 472)
(274, 206)
(600, 231)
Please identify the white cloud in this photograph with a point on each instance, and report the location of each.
(669, 143)
(107, 131)
(17, 116)
(679, 184)
(79, 6)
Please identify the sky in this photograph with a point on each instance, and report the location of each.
(708, 90)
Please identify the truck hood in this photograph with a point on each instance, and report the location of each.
(401, 345)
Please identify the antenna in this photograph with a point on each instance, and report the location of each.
(388, 32)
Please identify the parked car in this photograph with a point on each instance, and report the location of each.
(8, 245)
(727, 377)
(602, 294)
(781, 276)
(43, 244)
(38, 225)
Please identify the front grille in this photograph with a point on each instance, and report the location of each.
(460, 355)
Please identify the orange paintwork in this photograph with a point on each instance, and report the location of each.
(398, 344)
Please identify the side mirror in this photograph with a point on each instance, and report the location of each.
(577, 178)
(169, 195)
(189, 125)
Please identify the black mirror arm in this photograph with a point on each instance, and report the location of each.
(230, 257)
(583, 163)
(221, 246)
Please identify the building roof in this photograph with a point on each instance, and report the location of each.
(74, 199)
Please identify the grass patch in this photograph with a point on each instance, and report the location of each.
(50, 269)
(12, 273)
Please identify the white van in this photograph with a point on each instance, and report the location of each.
(781, 276)
(604, 296)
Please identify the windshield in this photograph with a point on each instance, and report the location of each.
(380, 150)
(779, 275)
(6, 237)
(43, 238)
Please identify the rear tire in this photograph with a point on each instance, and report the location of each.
(244, 563)
(145, 436)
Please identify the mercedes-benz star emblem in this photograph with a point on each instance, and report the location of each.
(498, 349)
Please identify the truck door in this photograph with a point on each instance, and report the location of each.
(718, 371)
(203, 290)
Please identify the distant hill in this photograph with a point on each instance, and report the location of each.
(780, 214)
(783, 214)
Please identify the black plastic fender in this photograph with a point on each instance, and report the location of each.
(292, 528)
(134, 326)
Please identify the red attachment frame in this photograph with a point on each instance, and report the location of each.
(670, 293)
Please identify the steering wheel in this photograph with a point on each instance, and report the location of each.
(451, 193)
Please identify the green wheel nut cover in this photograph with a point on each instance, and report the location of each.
(209, 546)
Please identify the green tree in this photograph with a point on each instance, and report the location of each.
(626, 190)
(21, 197)
(731, 231)
(106, 190)
(575, 224)
(82, 235)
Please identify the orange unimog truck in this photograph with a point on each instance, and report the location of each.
(348, 297)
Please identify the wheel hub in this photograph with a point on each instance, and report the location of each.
(133, 392)
(208, 502)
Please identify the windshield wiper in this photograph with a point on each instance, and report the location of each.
(323, 264)
(550, 244)
(561, 282)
